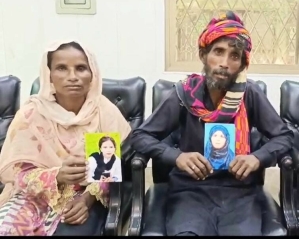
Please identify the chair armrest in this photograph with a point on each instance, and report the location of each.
(287, 192)
(139, 163)
(112, 222)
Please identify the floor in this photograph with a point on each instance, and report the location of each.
(272, 181)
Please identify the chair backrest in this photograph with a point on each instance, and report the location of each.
(289, 101)
(160, 171)
(128, 95)
(9, 103)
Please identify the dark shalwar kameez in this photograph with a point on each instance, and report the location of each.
(220, 204)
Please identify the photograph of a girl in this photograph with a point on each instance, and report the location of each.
(219, 142)
(104, 165)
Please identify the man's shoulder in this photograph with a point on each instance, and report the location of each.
(255, 87)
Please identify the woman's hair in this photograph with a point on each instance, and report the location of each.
(62, 47)
(105, 139)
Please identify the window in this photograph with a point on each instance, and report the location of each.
(273, 25)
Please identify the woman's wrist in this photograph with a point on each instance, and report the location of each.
(90, 199)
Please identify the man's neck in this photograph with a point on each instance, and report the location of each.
(216, 96)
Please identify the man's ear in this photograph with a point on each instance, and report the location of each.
(202, 56)
(242, 68)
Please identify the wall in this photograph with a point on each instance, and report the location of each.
(126, 35)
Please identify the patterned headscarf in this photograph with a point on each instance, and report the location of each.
(229, 25)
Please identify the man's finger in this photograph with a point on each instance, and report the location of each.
(191, 172)
(199, 168)
(246, 173)
(232, 164)
(196, 170)
(206, 162)
(236, 166)
(240, 171)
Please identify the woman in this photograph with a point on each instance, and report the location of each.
(42, 161)
(105, 165)
(217, 149)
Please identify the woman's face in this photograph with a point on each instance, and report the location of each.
(70, 73)
(108, 149)
(218, 140)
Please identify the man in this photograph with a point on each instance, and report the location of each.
(203, 201)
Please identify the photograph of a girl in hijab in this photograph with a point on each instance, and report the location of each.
(219, 144)
(103, 155)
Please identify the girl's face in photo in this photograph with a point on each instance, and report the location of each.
(218, 140)
(108, 149)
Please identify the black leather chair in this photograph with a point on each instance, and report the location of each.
(129, 96)
(149, 219)
(9, 103)
(289, 198)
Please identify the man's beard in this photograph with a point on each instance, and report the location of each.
(219, 84)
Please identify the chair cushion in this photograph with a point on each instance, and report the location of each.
(155, 210)
(155, 213)
(273, 222)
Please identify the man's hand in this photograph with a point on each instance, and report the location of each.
(76, 211)
(194, 164)
(243, 165)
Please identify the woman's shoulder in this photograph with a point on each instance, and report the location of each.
(27, 113)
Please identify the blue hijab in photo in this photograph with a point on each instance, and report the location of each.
(219, 158)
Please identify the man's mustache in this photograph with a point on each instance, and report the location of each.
(222, 72)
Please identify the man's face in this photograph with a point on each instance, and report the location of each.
(222, 65)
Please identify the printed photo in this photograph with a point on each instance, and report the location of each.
(104, 157)
(220, 140)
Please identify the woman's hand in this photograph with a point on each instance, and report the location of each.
(76, 211)
(108, 180)
(73, 171)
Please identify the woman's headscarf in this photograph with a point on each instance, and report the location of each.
(44, 134)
